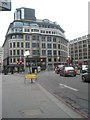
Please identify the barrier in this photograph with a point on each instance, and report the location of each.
(30, 76)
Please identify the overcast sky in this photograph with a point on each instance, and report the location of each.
(71, 15)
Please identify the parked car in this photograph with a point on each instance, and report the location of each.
(58, 68)
(86, 76)
(84, 68)
(67, 71)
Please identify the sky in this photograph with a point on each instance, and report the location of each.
(71, 15)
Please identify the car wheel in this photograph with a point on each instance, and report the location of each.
(83, 79)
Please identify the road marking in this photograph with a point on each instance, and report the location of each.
(62, 86)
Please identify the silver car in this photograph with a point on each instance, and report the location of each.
(86, 77)
(68, 71)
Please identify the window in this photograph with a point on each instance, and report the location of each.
(33, 37)
(49, 52)
(43, 38)
(49, 39)
(18, 24)
(14, 52)
(54, 52)
(26, 23)
(54, 45)
(21, 44)
(10, 52)
(33, 45)
(54, 39)
(18, 44)
(27, 45)
(27, 38)
(58, 52)
(21, 52)
(13, 44)
(49, 60)
(43, 45)
(14, 60)
(49, 45)
(18, 52)
(55, 59)
(26, 30)
(35, 52)
(43, 52)
(58, 46)
(18, 14)
(10, 45)
(10, 60)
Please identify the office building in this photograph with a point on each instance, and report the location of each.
(45, 41)
(79, 49)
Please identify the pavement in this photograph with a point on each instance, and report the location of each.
(31, 100)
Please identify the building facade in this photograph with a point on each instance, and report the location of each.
(45, 41)
(1, 59)
(79, 49)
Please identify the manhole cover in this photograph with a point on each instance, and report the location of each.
(31, 112)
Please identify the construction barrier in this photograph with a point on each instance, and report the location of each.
(30, 76)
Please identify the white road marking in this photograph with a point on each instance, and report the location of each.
(62, 86)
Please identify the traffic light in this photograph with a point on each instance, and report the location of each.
(17, 61)
(41, 59)
(20, 61)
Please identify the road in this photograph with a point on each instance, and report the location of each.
(71, 89)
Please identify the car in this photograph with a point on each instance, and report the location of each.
(58, 68)
(68, 71)
(86, 76)
(84, 68)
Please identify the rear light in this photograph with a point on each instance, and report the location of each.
(66, 71)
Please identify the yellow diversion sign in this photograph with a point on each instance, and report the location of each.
(30, 76)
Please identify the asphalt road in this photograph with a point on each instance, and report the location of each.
(71, 89)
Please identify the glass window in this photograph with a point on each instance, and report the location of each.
(33, 37)
(58, 46)
(49, 52)
(18, 44)
(49, 60)
(43, 38)
(18, 52)
(14, 52)
(43, 52)
(54, 52)
(14, 60)
(26, 23)
(27, 45)
(35, 52)
(54, 39)
(49, 39)
(14, 44)
(10, 52)
(49, 45)
(21, 52)
(27, 37)
(54, 45)
(43, 45)
(22, 44)
(18, 24)
(10, 60)
(18, 14)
